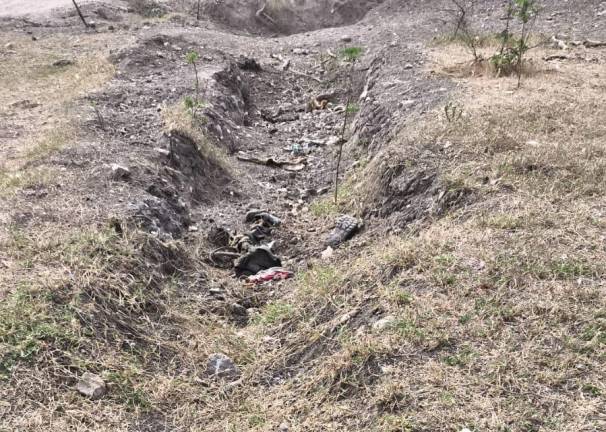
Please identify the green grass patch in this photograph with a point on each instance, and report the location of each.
(29, 322)
(320, 281)
(274, 312)
(127, 391)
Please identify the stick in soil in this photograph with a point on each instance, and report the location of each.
(340, 154)
(80, 14)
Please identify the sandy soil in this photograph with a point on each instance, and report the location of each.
(32, 7)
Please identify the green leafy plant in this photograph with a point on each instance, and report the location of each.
(351, 55)
(98, 114)
(193, 103)
(510, 56)
(463, 30)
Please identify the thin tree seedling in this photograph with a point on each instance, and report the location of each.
(192, 104)
(80, 14)
(351, 54)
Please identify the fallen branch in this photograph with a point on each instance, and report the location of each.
(593, 43)
(296, 72)
(296, 165)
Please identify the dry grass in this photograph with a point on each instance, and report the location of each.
(497, 308)
(178, 118)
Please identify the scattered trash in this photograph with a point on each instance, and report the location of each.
(339, 109)
(258, 258)
(246, 253)
(218, 236)
(249, 64)
(345, 227)
(91, 385)
(316, 103)
(289, 165)
(271, 274)
(327, 253)
(255, 214)
(223, 257)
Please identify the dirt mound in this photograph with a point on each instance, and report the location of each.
(406, 194)
(288, 16)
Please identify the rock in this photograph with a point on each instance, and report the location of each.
(221, 366)
(284, 427)
(300, 51)
(63, 63)
(25, 104)
(119, 172)
(333, 140)
(406, 103)
(238, 309)
(91, 385)
(408, 66)
(345, 39)
(162, 151)
(384, 323)
(327, 253)
(159, 216)
(9, 46)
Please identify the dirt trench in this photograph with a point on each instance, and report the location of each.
(188, 175)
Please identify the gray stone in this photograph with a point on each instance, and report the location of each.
(119, 172)
(383, 323)
(91, 385)
(284, 427)
(162, 151)
(345, 39)
(327, 253)
(220, 365)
